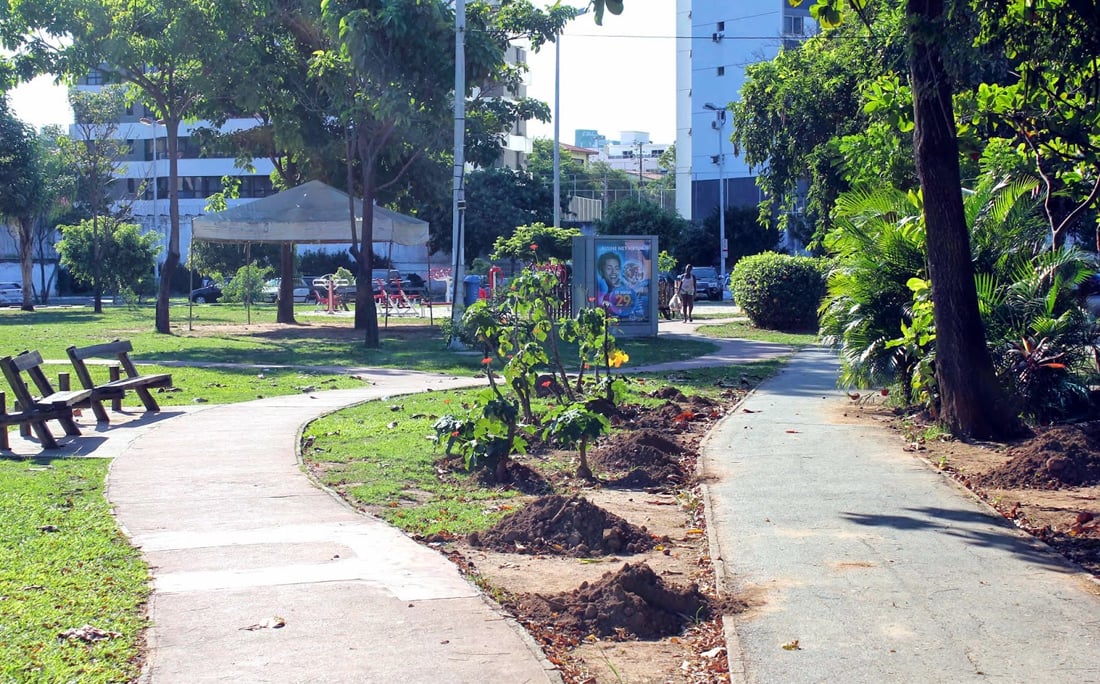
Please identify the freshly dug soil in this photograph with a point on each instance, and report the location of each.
(1063, 456)
(642, 459)
(569, 526)
(632, 602)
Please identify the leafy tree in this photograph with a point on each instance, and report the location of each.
(390, 76)
(112, 256)
(973, 405)
(22, 189)
(792, 106)
(536, 242)
(635, 216)
(165, 51)
(60, 206)
(499, 200)
(540, 163)
(94, 153)
(247, 283)
(744, 234)
(1050, 104)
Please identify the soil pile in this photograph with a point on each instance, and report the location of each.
(644, 458)
(1063, 456)
(632, 602)
(570, 526)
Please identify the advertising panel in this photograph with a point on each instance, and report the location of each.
(623, 277)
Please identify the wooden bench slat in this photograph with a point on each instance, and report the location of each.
(115, 389)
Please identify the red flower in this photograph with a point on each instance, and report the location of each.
(486, 361)
(455, 433)
(534, 246)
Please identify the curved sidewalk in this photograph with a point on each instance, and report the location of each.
(870, 567)
(260, 576)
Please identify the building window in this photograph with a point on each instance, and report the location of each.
(721, 71)
(721, 26)
(95, 77)
(794, 26)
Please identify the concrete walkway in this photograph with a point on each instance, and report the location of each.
(240, 541)
(878, 568)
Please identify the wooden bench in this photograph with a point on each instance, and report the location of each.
(116, 387)
(51, 405)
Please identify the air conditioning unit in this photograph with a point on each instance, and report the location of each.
(717, 37)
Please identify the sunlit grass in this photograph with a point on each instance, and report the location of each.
(64, 564)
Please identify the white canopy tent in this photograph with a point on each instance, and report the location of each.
(308, 214)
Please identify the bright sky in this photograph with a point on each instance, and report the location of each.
(617, 77)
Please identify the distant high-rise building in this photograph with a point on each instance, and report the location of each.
(589, 138)
(717, 39)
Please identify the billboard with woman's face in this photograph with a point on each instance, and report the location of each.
(623, 267)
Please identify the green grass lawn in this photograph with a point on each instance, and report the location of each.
(63, 561)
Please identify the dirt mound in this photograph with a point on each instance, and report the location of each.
(648, 459)
(1063, 456)
(564, 526)
(632, 602)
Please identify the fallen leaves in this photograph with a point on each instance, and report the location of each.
(275, 622)
(792, 646)
(88, 634)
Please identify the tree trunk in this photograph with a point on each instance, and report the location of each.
(285, 311)
(26, 262)
(366, 316)
(972, 403)
(172, 258)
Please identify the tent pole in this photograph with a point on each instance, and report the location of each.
(190, 278)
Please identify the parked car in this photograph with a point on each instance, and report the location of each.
(207, 294)
(303, 289)
(11, 294)
(707, 282)
(391, 277)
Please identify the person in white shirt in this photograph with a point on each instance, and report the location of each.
(685, 285)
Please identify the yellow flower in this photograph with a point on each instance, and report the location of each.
(617, 358)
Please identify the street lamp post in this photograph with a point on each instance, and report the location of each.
(156, 206)
(718, 125)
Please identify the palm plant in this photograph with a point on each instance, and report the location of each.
(1038, 335)
(878, 242)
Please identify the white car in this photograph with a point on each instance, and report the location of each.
(11, 294)
(303, 292)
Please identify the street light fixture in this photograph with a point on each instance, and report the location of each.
(146, 121)
(718, 125)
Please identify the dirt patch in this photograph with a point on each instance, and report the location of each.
(630, 603)
(587, 611)
(1062, 456)
(644, 459)
(570, 526)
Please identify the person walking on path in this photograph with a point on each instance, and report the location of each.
(686, 286)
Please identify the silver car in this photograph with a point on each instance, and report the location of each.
(11, 294)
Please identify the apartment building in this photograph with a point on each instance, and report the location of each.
(716, 40)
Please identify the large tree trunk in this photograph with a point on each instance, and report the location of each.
(972, 403)
(26, 262)
(172, 258)
(366, 316)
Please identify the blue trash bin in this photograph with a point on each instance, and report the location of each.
(471, 290)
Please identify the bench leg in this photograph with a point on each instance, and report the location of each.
(100, 412)
(44, 435)
(70, 425)
(116, 404)
(147, 399)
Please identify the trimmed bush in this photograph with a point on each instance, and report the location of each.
(779, 292)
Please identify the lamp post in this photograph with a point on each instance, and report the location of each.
(156, 214)
(557, 123)
(718, 125)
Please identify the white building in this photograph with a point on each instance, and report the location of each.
(633, 153)
(142, 177)
(716, 40)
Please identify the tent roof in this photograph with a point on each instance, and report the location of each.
(310, 213)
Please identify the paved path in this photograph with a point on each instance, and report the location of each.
(236, 536)
(882, 570)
